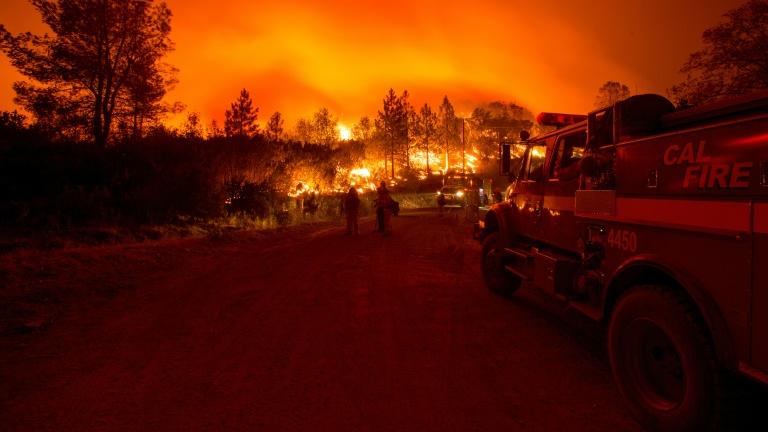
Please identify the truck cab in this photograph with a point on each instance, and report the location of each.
(653, 221)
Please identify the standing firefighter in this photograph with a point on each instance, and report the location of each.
(441, 202)
(351, 207)
(384, 203)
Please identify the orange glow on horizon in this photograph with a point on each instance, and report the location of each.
(295, 56)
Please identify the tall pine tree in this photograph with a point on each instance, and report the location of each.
(449, 129)
(427, 128)
(240, 119)
(392, 124)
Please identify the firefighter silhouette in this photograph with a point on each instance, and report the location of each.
(384, 203)
(351, 207)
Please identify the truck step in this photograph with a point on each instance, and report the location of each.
(586, 309)
(519, 253)
(516, 272)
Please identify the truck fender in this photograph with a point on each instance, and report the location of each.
(648, 268)
(500, 218)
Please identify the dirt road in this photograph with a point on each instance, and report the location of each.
(318, 331)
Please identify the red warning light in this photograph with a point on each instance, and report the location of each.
(558, 119)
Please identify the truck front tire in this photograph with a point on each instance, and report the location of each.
(663, 362)
(496, 278)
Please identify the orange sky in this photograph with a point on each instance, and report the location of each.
(296, 56)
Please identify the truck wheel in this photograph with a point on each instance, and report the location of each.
(496, 278)
(663, 362)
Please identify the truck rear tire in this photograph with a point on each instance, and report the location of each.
(496, 278)
(663, 362)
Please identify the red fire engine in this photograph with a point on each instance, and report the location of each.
(654, 221)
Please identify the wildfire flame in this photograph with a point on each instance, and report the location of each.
(345, 134)
(360, 172)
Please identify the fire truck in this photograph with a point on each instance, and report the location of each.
(654, 221)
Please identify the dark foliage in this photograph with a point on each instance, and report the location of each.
(733, 60)
(42, 184)
(254, 199)
(160, 178)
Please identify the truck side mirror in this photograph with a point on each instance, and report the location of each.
(505, 157)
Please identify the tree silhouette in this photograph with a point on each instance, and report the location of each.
(449, 128)
(495, 122)
(363, 131)
(610, 93)
(193, 127)
(240, 119)
(324, 127)
(411, 129)
(145, 92)
(392, 124)
(11, 120)
(427, 128)
(275, 126)
(304, 130)
(102, 61)
(214, 130)
(734, 59)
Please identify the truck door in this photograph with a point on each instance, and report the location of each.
(558, 221)
(530, 192)
(760, 287)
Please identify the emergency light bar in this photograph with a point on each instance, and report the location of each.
(559, 120)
